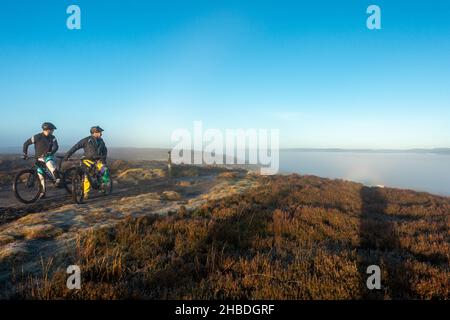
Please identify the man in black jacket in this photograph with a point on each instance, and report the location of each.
(45, 146)
(95, 153)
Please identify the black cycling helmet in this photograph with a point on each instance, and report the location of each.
(96, 129)
(48, 126)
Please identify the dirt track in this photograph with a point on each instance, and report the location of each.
(11, 209)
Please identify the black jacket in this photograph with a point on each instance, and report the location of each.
(94, 149)
(43, 145)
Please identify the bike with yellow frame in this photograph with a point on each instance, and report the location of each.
(91, 175)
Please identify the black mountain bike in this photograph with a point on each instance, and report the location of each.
(104, 186)
(27, 185)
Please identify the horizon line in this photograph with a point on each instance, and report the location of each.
(281, 148)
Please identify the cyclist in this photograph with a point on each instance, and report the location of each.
(45, 146)
(95, 153)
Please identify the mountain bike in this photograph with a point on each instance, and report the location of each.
(96, 179)
(28, 187)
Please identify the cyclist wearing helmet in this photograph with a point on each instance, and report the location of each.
(95, 153)
(45, 145)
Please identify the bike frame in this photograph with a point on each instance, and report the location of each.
(40, 165)
(94, 184)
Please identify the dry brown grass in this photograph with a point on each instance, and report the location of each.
(229, 175)
(41, 231)
(135, 175)
(171, 195)
(294, 237)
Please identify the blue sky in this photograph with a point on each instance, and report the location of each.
(312, 69)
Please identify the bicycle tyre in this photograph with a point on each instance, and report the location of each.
(77, 187)
(16, 188)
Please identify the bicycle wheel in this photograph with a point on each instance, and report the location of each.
(77, 187)
(27, 187)
(107, 188)
(67, 179)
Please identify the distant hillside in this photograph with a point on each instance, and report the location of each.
(116, 153)
(138, 153)
(161, 153)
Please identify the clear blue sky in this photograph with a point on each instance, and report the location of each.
(141, 69)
